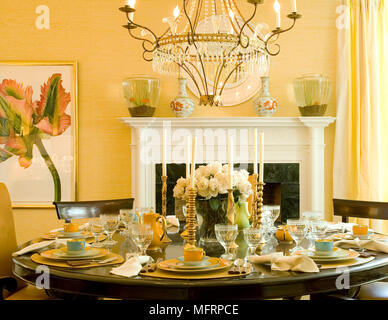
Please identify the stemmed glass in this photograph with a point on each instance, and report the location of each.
(95, 226)
(110, 223)
(310, 217)
(297, 229)
(252, 237)
(127, 217)
(226, 235)
(142, 235)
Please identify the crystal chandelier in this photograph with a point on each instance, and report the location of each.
(210, 41)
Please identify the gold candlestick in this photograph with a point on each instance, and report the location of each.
(230, 214)
(253, 181)
(259, 212)
(191, 217)
(164, 196)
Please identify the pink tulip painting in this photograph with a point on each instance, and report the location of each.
(24, 122)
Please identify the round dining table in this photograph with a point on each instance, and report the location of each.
(262, 283)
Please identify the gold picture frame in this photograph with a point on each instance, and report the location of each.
(70, 83)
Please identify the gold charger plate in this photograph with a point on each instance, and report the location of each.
(37, 258)
(178, 264)
(347, 263)
(166, 266)
(351, 255)
(50, 254)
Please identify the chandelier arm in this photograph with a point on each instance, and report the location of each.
(195, 46)
(220, 68)
(227, 78)
(239, 13)
(230, 19)
(243, 27)
(144, 41)
(187, 70)
(203, 79)
(242, 18)
(198, 13)
(276, 33)
(131, 23)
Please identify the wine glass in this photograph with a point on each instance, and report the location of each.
(110, 223)
(310, 217)
(142, 235)
(252, 237)
(318, 229)
(95, 226)
(297, 230)
(127, 217)
(226, 235)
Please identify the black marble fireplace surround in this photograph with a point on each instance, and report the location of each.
(282, 185)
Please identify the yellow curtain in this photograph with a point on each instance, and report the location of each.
(361, 145)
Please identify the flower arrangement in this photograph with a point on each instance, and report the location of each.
(212, 180)
(25, 122)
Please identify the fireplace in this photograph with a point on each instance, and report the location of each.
(282, 186)
(294, 156)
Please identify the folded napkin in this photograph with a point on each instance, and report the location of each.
(372, 245)
(33, 247)
(348, 227)
(172, 221)
(142, 259)
(128, 269)
(286, 263)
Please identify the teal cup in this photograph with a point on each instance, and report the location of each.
(76, 245)
(324, 247)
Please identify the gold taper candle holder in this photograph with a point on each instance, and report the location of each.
(191, 217)
(259, 212)
(230, 214)
(253, 181)
(164, 196)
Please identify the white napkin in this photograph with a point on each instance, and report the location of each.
(56, 230)
(172, 221)
(33, 247)
(128, 269)
(348, 227)
(142, 259)
(286, 263)
(372, 245)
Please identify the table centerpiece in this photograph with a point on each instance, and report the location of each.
(212, 184)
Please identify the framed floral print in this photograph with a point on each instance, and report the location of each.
(38, 132)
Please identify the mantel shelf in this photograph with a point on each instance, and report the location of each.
(230, 122)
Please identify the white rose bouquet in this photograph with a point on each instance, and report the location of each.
(212, 180)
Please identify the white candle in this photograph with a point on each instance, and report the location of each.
(294, 9)
(188, 138)
(276, 6)
(261, 178)
(164, 145)
(194, 145)
(255, 151)
(131, 3)
(230, 162)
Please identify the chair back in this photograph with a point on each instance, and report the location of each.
(90, 209)
(360, 209)
(8, 242)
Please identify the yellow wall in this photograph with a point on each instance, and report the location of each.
(89, 31)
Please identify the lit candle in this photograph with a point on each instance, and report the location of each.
(194, 145)
(188, 157)
(294, 9)
(230, 162)
(255, 151)
(276, 6)
(131, 4)
(261, 178)
(164, 145)
(174, 24)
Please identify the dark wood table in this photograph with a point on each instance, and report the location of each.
(261, 284)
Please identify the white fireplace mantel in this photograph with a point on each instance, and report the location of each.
(287, 140)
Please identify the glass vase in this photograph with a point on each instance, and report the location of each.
(211, 211)
(141, 94)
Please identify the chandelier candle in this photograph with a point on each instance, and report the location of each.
(276, 6)
(131, 4)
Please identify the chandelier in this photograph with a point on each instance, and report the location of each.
(211, 42)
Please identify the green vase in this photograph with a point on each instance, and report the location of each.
(242, 215)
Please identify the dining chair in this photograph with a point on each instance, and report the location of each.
(11, 288)
(367, 210)
(90, 209)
